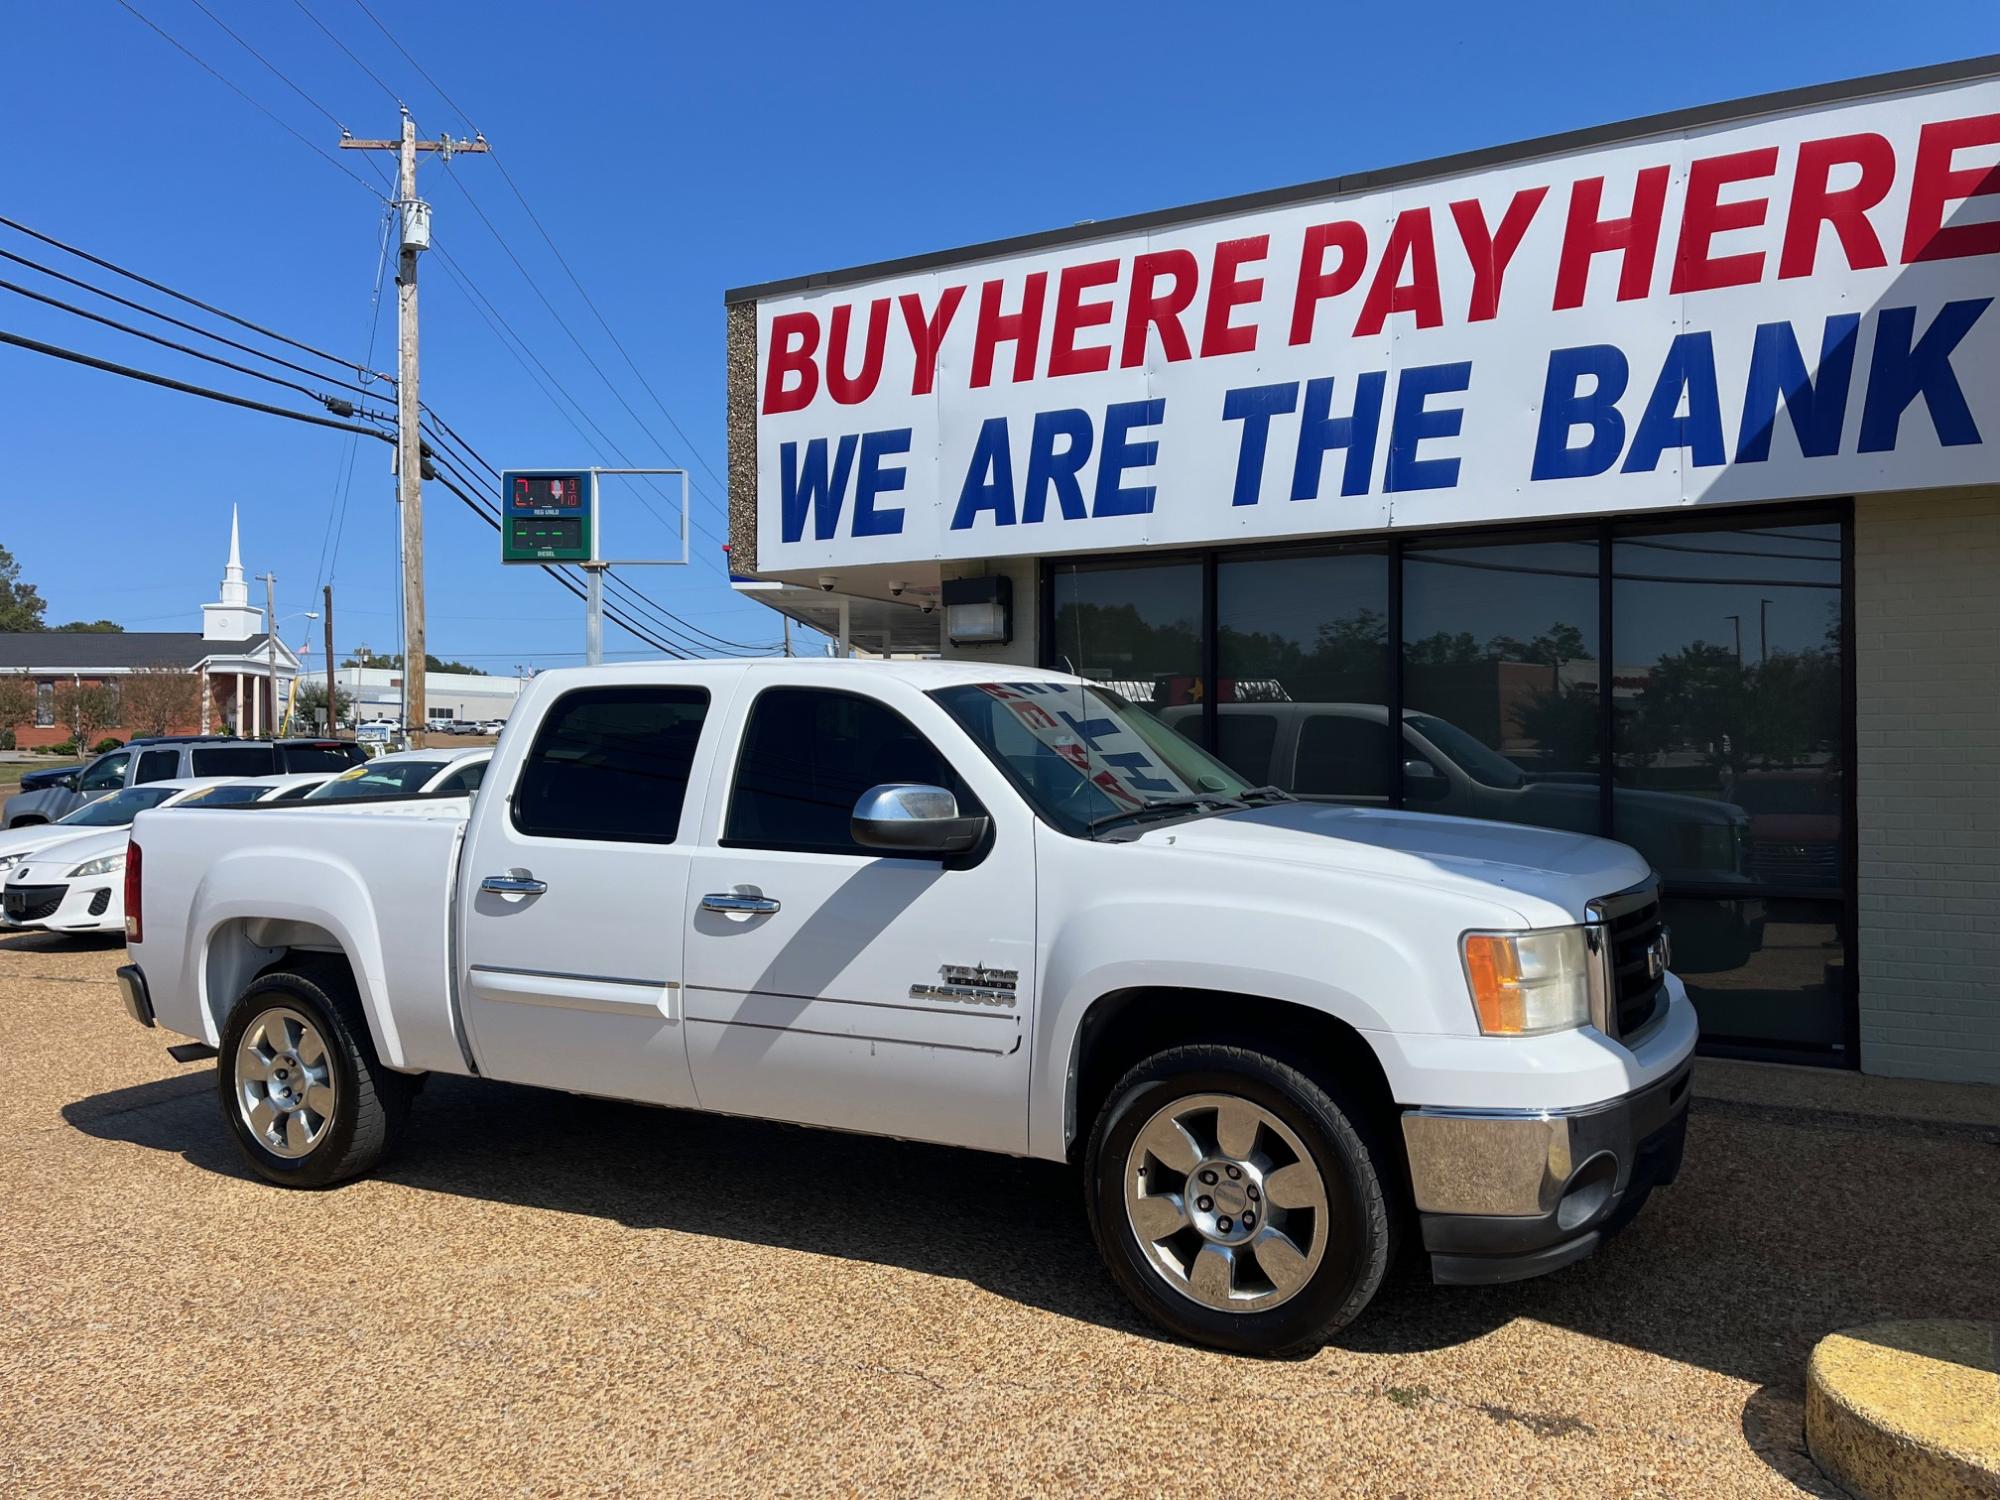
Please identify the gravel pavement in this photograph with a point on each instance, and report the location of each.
(548, 1295)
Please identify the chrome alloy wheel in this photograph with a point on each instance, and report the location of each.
(285, 1088)
(1226, 1203)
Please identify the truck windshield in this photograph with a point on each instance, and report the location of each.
(1481, 763)
(1082, 754)
(380, 779)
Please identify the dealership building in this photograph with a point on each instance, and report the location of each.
(1643, 480)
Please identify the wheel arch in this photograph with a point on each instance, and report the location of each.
(1122, 1027)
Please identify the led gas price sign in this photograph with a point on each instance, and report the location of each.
(547, 516)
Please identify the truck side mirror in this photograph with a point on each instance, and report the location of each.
(910, 818)
(69, 782)
(1423, 782)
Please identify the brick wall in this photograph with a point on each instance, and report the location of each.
(1927, 665)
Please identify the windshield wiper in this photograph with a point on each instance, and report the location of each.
(1196, 802)
(1267, 794)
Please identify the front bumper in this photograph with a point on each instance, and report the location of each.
(1504, 1195)
(92, 904)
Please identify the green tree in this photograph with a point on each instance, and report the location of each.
(17, 700)
(309, 702)
(86, 709)
(21, 604)
(89, 627)
(393, 662)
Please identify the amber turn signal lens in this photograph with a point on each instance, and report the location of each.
(1524, 983)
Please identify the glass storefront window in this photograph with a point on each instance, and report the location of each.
(1763, 973)
(1727, 704)
(1302, 672)
(1136, 628)
(1500, 681)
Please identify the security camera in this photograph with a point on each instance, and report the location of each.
(896, 589)
(826, 583)
(929, 607)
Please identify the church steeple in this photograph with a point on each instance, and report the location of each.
(231, 618)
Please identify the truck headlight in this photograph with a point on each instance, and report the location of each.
(108, 864)
(1525, 983)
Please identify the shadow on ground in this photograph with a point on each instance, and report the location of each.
(1782, 1226)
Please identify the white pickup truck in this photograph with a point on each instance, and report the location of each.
(998, 908)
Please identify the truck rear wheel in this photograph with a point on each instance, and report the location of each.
(303, 1095)
(1236, 1201)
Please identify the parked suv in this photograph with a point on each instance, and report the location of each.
(173, 758)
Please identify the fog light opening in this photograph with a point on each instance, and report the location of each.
(1589, 1192)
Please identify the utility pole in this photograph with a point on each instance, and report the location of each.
(332, 701)
(416, 237)
(270, 653)
(788, 635)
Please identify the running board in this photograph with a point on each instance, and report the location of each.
(188, 1052)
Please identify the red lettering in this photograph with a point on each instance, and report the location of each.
(794, 339)
(1150, 308)
(1706, 215)
(1636, 238)
(1935, 186)
(1316, 283)
(927, 335)
(1847, 210)
(1491, 253)
(1410, 248)
(1022, 329)
(1073, 313)
(1227, 290)
(852, 390)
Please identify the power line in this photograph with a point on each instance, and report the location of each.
(255, 103)
(169, 318)
(281, 76)
(73, 356)
(148, 282)
(417, 65)
(154, 338)
(394, 97)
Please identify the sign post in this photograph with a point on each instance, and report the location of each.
(551, 516)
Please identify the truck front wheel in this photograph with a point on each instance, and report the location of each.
(303, 1095)
(1236, 1201)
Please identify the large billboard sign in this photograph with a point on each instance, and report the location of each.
(1790, 305)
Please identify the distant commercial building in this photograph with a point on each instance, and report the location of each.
(1361, 484)
(377, 693)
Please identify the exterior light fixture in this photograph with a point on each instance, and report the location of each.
(979, 611)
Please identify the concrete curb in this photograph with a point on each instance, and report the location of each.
(1908, 1410)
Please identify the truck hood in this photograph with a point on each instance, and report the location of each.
(1512, 863)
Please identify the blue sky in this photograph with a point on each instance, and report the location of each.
(674, 151)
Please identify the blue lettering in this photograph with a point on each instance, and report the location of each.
(1253, 406)
(1131, 762)
(1817, 409)
(1320, 433)
(989, 478)
(874, 480)
(1899, 373)
(1047, 468)
(1565, 408)
(1412, 423)
(1119, 453)
(1689, 369)
(806, 487)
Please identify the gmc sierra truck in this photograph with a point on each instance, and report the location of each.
(996, 908)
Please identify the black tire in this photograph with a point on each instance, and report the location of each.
(1361, 1226)
(371, 1103)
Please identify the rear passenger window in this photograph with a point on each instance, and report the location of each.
(157, 765)
(611, 763)
(465, 779)
(1343, 756)
(808, 755)
(232, 760)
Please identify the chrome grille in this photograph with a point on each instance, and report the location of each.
(1634, 958)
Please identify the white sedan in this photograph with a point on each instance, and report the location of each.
(73, 878)
(408, 772)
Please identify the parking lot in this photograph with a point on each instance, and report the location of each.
(548, 1294)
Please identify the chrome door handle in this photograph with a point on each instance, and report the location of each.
(514, 883)
(730, 903)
